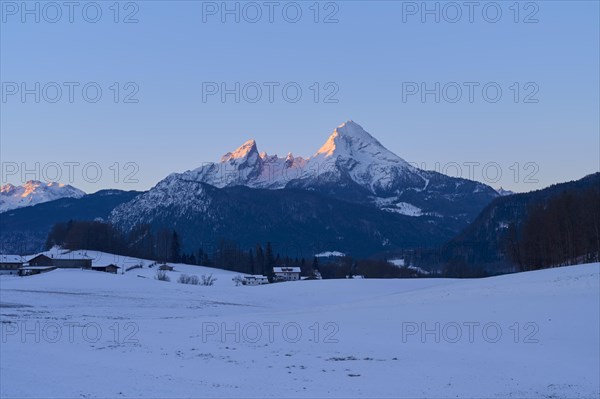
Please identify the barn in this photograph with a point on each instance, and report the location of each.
(106, 268)
(62, 261)
(40, 260)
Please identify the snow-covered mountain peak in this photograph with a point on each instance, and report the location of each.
(7, 188)
(31, 186)
(34, 192)
(247, 167)
(369, 163)
(245, 151)
(344, 138)
(353, 129)
(350, 140)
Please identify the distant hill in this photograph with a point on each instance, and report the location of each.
(24, 230)
(512, 228)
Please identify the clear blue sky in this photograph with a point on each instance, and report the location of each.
(369, 54)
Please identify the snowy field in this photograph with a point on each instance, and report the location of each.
(76, 333)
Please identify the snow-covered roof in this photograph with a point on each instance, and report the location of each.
(57, 253)
(256, 276)
(37, 267)
(70, 255)
(11, 259)
(285, 269)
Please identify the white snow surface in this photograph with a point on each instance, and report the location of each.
(329, 254)
(397, 262)
(400, 263)
(404, 208)
(34, 192)
(164, 348)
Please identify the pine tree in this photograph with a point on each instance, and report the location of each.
(175, 248)
(304, 269)
(260, 260)
(269, 262)
(251, 265)
(315, 264)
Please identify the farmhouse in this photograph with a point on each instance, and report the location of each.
(255, 280)
(10, 264)
(166, 267)
(285, 273)
(40, 260)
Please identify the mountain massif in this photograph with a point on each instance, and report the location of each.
(353, 195)
(34, 192)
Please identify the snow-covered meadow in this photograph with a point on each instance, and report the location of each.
(78, 333)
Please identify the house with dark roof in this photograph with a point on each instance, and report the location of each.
(62, 261)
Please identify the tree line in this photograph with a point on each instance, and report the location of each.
(562, 231)
(165, 246)
(556, 226)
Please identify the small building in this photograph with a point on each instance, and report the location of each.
(33, 270)
(106, 268)
(255, 280)
(285, 273)
(166, 267)
(10, 264)
(316, 275)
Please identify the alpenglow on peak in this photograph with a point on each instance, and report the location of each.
(243, 151)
